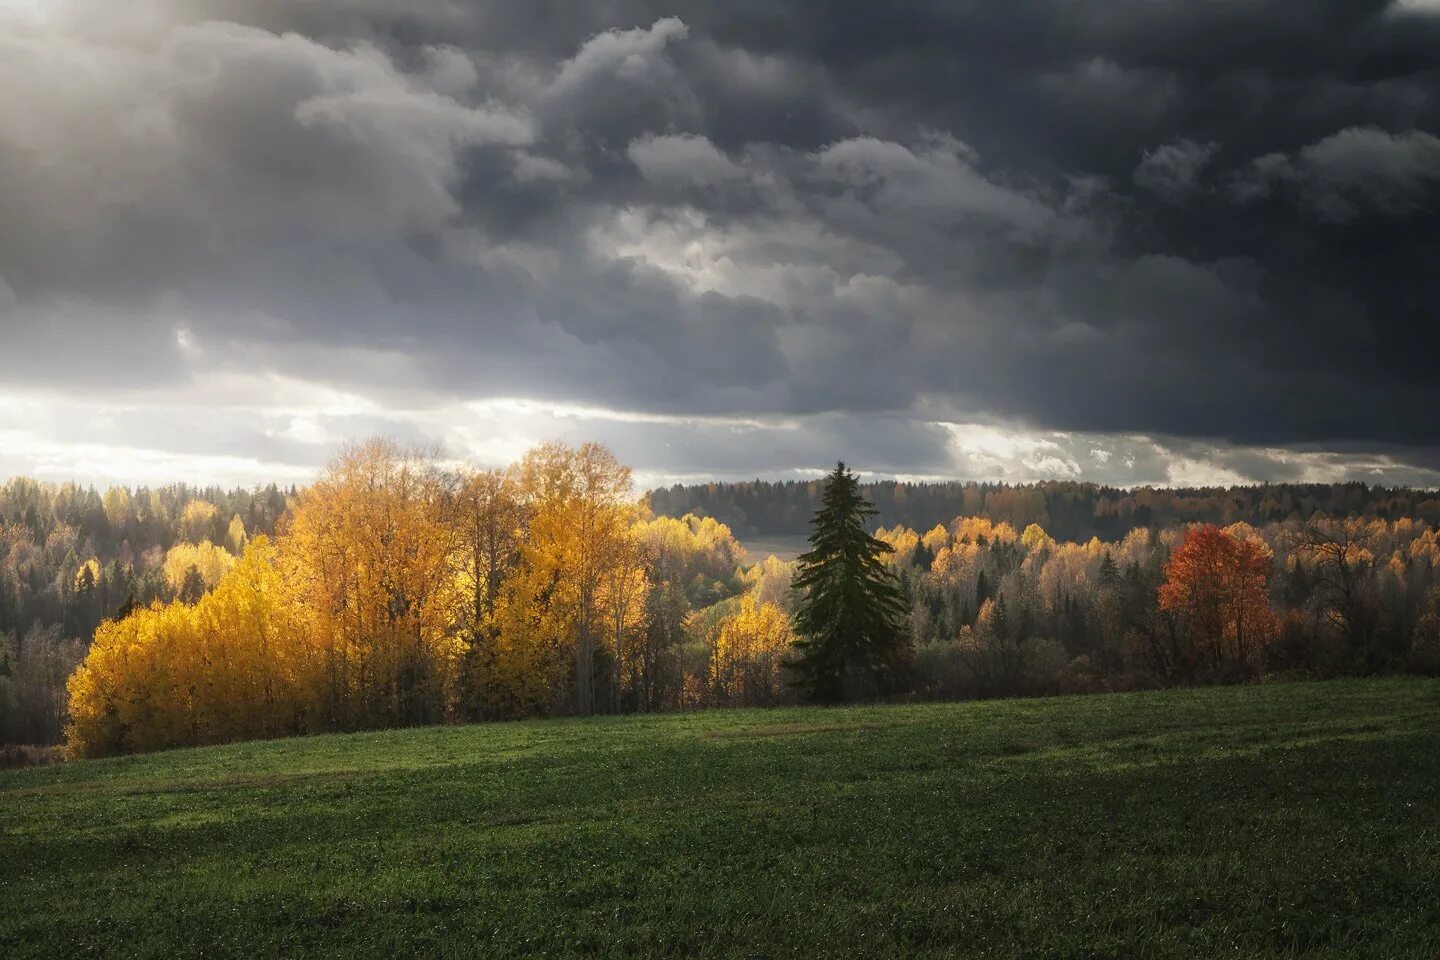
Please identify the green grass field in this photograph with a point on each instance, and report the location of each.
(1262, 821)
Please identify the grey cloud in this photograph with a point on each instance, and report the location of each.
(1195, 221)
(682, 159)
(1357, 172)
(937, 183)
(1365, 170)
(241, 138)
(450, 71)
(1172, 172)
(618, 85)
(635, 56)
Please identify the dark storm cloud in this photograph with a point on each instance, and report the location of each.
(1172, 172)
(1213, 222)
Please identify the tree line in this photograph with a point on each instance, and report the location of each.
(400, 590)
(1068, 510)
(995, 611)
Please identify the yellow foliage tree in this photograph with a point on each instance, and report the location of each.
(1035, 538)
(119, 511)
(197, 520)
(238, 664)
(578, 530)
(368, 550)
(235, 535)
(487, 528)
(397, 591)
(210, 561)
(87, 575)
(903, 541)
(745, 664)
(770, 580)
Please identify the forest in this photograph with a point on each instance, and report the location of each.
(397, 591)
(71, 557)
(1068, 510)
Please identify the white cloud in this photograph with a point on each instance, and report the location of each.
(245, 429)
(1187, 472)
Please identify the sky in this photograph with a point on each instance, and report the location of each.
(1130, 241)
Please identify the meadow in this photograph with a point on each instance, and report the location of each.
(1259, 821)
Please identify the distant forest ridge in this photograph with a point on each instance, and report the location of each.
(1067, 510)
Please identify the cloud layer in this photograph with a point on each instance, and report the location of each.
(731, 239)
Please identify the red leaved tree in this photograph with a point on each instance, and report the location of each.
(1219, 584)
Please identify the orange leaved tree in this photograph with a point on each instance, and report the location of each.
(1219, 585)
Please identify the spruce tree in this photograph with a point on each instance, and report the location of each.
(849, 622)
(1109, 573)
(193, 587)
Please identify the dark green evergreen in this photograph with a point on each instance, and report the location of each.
(852, 642)
(193, 587)
(1109, 574)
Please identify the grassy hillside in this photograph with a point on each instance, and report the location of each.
(1255, 821)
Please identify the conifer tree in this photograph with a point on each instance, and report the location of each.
(850, 640)
(1109, 573)
(193, 587)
